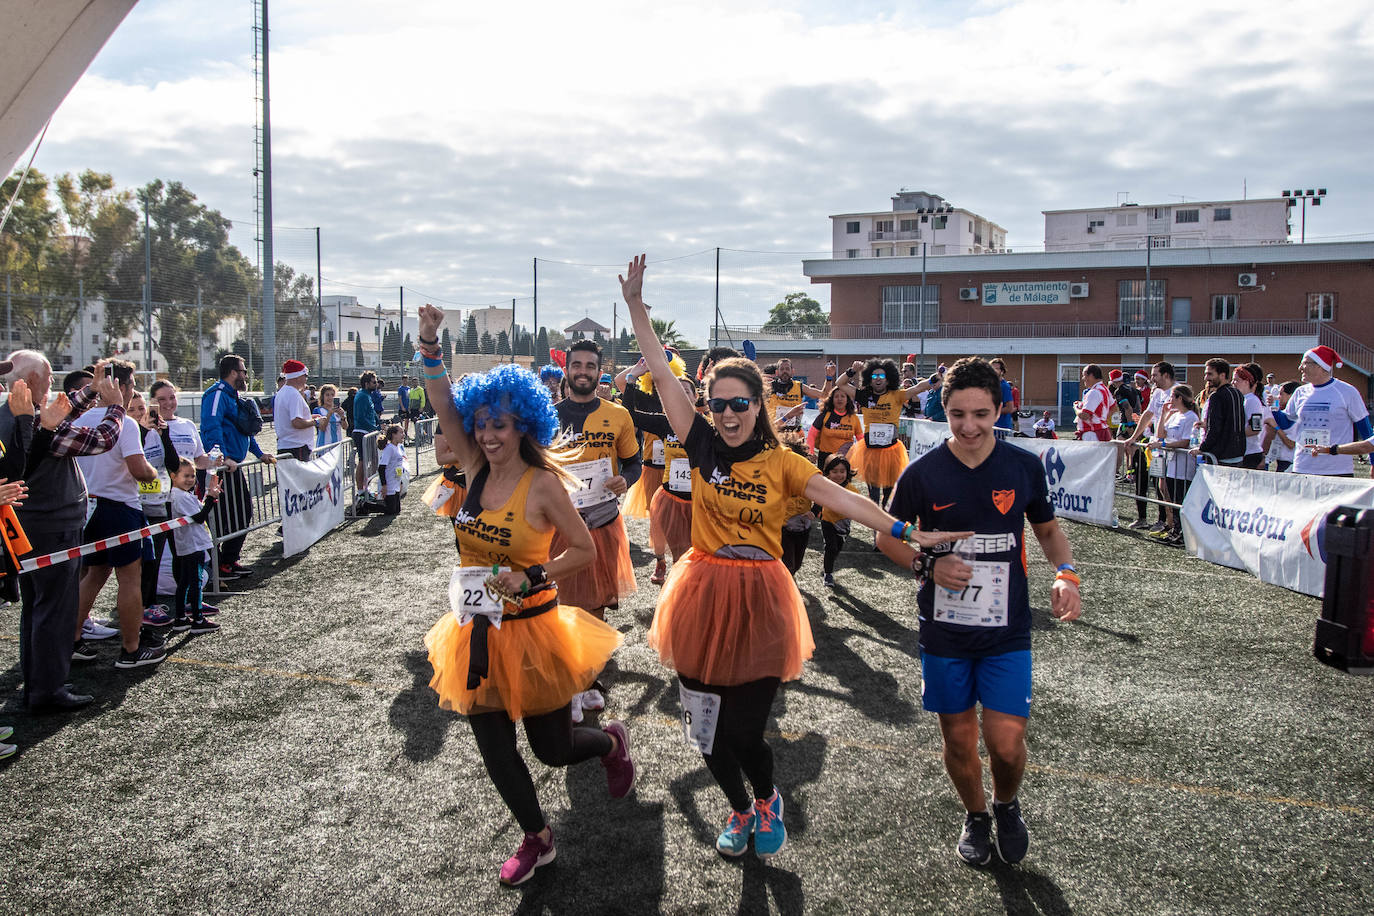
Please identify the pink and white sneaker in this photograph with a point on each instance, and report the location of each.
(533, 852)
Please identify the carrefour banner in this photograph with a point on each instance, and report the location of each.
(1270, 525)
(312, 499)
(1081, 475)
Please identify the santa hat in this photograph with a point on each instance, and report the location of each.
(1324, 356)
(293, 368)
(1140, 374)
(1114, 375)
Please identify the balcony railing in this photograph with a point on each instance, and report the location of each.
(885, 235)
(1036, 330)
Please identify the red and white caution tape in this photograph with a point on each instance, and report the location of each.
(63, 556)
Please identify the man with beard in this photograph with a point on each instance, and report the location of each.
(785, 397)
(231, 422)
(599, 430)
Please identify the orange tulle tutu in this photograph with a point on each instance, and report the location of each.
(534, 666)
(609, 578)
(640, 497)
(878, 466)
(670, 523)
(727, 622)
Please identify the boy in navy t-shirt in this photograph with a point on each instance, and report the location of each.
(974, 604)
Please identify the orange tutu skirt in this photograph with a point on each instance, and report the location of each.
(729, 622)
(640, 496)
(609, 578)
(534, 666)
(879, 467)
(670, 522)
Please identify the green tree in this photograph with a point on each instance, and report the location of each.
(503, 344)
(358, 351)
(446, 346)
(541, 345)
(470, 341)
(797, 309)
(668, 334)
(486, 344)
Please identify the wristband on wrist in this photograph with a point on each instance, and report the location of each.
(849, 372)
(431, 362)
(898, 529)
(1069, 576)
(922, 565)
(435, 374)
(432, 341)
(1063, 566)
(536, 574)
(1333, 449)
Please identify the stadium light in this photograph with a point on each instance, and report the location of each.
(1345, 630)
(1298, 194)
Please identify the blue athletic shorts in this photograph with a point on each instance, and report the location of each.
(110, 518)
(999, 682)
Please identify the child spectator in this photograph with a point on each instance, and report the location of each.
(333, 431)
(191, 548)
(834, 527)
(390, 470)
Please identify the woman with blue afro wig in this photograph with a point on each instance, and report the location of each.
(510, 650)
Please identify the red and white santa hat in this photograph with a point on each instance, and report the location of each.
(1140, 374)
(1324, 356)
(1114, 375)
(293, 368)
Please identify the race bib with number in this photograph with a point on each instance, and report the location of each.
(469, 597)
(1319, 437)
(881, 434)
(700, 713)
(656, 452)
(680, 475)
(1156, 462)
(156, 492)
(983, 602)
(591, 477)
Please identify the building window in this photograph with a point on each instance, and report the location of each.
(1221, 215)
(852, 253)
(1159, 241)
(376, 332)
(851, 227)
(136, 345)
(1125, 219)
(902, 308)
(1321, 306)
(1225, 307)
(908, 225)
(350, 337)
(331, 337)
(939, 222)
(882, 225)
(1133, 311)
(1095, 223)
(1185, 216)
(1159, 213)
(95, 340)
(911, 252)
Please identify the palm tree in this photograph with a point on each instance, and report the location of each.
(668, 335)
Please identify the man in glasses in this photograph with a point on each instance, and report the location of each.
(786, 394)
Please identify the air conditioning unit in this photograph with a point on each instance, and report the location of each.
(968, 294)
(1247, 280)
(1078, 290)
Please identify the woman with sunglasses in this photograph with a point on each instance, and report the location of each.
(730, 620)
(510, 651)
(881, 457)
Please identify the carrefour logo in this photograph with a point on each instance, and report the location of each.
(1054, 466)
(1250, 521)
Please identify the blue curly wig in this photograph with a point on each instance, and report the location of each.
(509, 389)
(550, 373)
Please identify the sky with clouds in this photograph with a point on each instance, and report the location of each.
(443, 146)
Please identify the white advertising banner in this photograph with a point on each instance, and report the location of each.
(1081, 475)
(1270, 525)
(312, 499)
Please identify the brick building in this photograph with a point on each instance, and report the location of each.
(1046, 313)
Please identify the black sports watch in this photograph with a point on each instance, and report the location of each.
(536, 574)
(1333, 449)
(923, 564)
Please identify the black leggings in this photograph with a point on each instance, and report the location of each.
(186, 571)
(1252, 460)
(834, 543)
(874, 491)
(1142, 485)
(740, 750)
(554, 741)
(794, 548)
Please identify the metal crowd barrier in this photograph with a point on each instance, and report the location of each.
(1159, 461)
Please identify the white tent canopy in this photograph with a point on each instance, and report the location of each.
(45, 46)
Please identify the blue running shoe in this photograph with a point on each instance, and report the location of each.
(1012, 837)
(975, 843)
(734, 839)
(770, 835)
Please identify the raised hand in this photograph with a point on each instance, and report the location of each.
(105, 386)
(632, 284)
(21, 399)
(212, 485)
(431, 317)
(55, 411)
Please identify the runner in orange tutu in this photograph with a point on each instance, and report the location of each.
(730, 620)
(607, 460)
(881, 457)
(670, 515)
(510, 651)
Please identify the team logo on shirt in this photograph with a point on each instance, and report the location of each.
(1003, 500)
(717, 478)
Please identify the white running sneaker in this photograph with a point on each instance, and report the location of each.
(593, 700)
(91, 629)
(577, 709)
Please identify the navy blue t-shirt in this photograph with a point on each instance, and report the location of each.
(1005, 420)
(995, 499)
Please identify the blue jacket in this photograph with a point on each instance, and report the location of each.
(219, 422)
(364, 412)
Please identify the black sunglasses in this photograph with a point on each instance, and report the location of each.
(738, 405)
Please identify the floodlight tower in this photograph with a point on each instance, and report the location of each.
(262, 171)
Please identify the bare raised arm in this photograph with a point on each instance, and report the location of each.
(440, 394)
(676, 405)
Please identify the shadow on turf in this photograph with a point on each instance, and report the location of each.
(1042, 619)
(1027, 892)
(874, 693)
(415, 712)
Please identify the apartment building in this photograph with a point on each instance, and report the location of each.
(1195, 224)
(917, 218)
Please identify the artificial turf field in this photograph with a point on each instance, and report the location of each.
(1187, 756)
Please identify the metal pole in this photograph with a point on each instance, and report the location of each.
(79, 352)
(715, 338)
(1149, 244)
(338, 341)
(1304, 220)
(248, 332)
(401, 335)
(614, 308)
(534, 328)
(9, 317)
(512, 329)
(269, 296)
(147, 286)
(200, 343)
(319, 308)
(919, 368)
